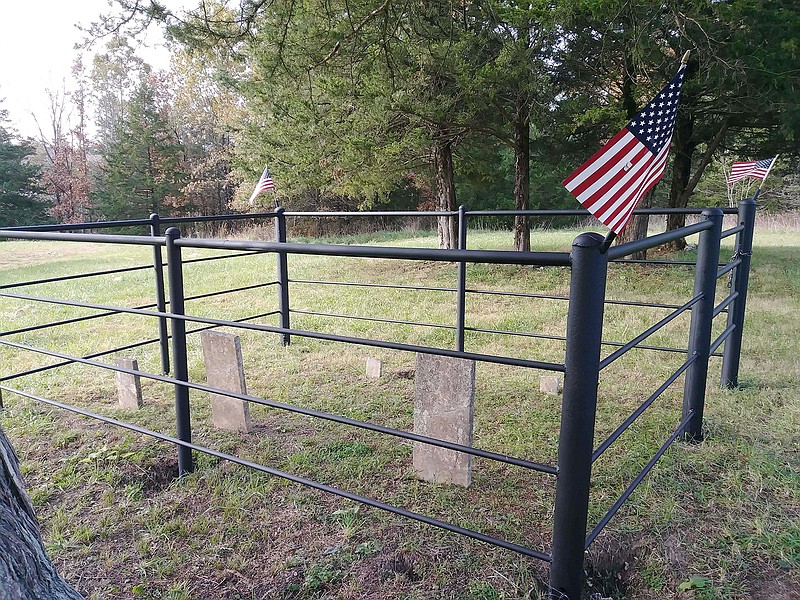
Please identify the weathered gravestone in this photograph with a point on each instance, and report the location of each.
(222, 354)
(374, 368)
(443, 408)
(129, 386)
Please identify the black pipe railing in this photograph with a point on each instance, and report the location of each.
(583, 339)
(188, 446)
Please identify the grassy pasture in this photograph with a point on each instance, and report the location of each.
(716, 520)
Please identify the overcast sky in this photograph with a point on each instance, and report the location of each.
(37, 39)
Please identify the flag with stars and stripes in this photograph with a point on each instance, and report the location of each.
(264, 183)
(756, 170)
(611, 183)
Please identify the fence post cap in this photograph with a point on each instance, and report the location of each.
(588, 239)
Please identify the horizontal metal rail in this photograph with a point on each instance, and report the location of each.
(642, 407)
(230, 291)
(127, 347)
(389, 213)
(374, 319)
(731, 231)
(725, 304)
(645, 261)
(294, 478)
(729, 267)
(722, 337)
(556, 259)
(210, 258)
(420, 288)
(116, 312)
(384, 213)
(648, 332)
(78, 226)
(414, 437)
(95, 238)
(503, 360)
(475, 291)
(639, 478)
(30, 328)
(78, 276)
(577, 212)
(553, 297)
(656, 240)
(562, 338)
(204, 218)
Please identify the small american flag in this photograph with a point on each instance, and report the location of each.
(264, 184)
(756, 170)
(611, 183)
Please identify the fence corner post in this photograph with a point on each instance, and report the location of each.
(179, 354)
(578, 408)
(283, 276)
(161, 301)
(461, 286)
(740, 280)
(705, 285)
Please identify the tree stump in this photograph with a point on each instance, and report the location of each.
(26, 572)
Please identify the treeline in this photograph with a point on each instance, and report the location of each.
(360, 103)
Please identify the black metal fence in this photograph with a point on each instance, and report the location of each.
(581, 366)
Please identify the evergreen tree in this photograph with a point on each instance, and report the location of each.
(143, 169)
(20, 203)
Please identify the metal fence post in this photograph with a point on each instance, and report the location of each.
(705, 283)
(179, 355)
(740, 279)
(461, 300)
(578, 407)
(161, 302)
(283, 275)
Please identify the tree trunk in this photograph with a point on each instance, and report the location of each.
(522, 167)
(637, 226)
(445, 193)
(683, 146)
(26, 572)
(681, 169)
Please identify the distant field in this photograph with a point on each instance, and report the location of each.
(718, 520)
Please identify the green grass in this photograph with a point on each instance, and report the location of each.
(716, 520)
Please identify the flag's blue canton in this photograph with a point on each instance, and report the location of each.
(653, 125)
(763, 164)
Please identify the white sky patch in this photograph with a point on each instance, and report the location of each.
(37, 46)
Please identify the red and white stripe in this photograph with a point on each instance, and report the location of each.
(611, 183)
(755, 169)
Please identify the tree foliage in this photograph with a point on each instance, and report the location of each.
(144, 161)
(354, 103)
(20, 202)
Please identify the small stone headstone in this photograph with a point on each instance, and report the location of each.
(222, 354)
(374, 368)
(550, 384)
(129, 387)
(443, 408)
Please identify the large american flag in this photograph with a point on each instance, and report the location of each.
(264, 183)
(611, 183)
(756, 170)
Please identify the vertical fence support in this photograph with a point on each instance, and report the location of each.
(283, 275)
(740, 280)
(578, 407)
(461, 300)
(161, 302)
(179, 355)
(705, 283)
